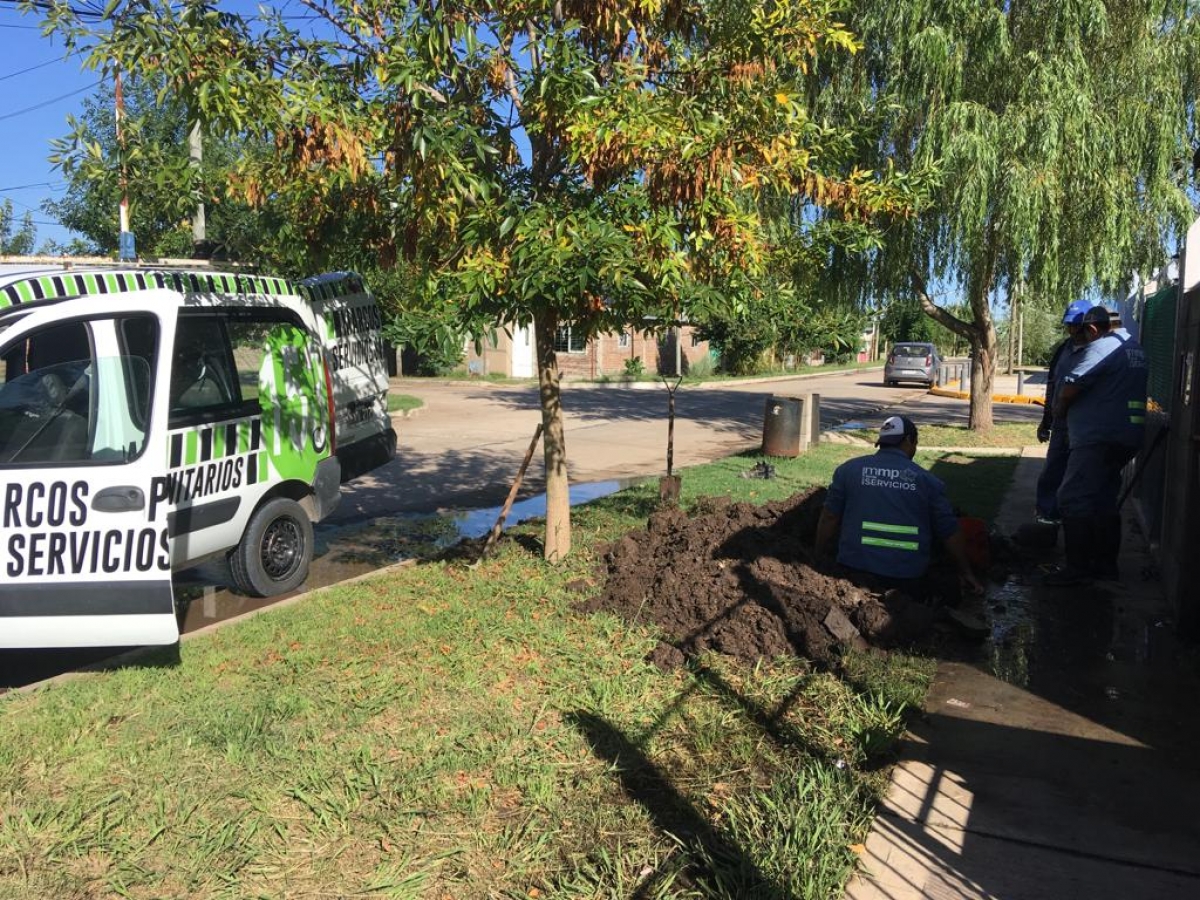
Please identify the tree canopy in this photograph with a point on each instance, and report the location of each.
(16, 240)
(582, 162)
(1063, 131)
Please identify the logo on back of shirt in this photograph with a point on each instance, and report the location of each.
(888, 477)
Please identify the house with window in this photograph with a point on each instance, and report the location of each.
(513, 352)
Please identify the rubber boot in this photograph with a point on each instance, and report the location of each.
(1078, 543)
(1107, 547)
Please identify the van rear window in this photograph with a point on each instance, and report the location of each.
(912, 350)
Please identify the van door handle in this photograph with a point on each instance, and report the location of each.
(125, 498)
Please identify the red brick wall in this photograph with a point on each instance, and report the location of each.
(605, 355)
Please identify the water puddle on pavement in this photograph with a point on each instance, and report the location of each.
(204, 597)
(1014, 631)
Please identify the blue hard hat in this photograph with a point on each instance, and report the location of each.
(1074, 313)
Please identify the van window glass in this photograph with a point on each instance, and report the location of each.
(138, 337)
(248, 339)
(61, 403)
(203, 380)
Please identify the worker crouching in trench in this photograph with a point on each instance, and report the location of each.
(884, 513)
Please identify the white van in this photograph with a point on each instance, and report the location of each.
(154, 418)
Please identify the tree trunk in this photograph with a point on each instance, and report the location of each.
(557, 542)
(984, 346)
(983, 377)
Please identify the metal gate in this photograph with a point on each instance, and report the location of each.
(1181, 507)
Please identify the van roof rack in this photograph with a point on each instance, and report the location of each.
(164, 262)
(41, 284)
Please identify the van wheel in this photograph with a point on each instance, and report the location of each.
(274, 554)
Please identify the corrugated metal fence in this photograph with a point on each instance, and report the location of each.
(1156, 318)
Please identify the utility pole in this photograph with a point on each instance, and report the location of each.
(1014, 304)
(1020, 338)
(125, 242)
(196, 154)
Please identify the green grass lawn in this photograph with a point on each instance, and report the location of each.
(975, 485)
(1002, 434)
(441, 731)
(403, 402)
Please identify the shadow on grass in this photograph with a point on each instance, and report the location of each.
(672, 813)
(22, 667)
(976, 485)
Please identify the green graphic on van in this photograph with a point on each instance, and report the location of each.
(295, 403)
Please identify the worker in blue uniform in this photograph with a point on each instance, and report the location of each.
(1052, 428)
(885, 513)
(1103, 398)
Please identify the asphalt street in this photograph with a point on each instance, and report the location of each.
(464, 447)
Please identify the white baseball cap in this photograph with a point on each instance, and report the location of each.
(894, 430)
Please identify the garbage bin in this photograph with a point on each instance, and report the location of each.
(781, 426)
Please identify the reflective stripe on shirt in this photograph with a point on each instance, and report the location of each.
(873, 541)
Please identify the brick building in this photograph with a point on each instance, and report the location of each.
(514, 354)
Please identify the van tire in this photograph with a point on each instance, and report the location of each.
(274, 554)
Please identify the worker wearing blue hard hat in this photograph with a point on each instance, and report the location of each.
(1103, 398)
(1054, 429)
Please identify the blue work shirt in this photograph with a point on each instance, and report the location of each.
(891, 510)
(1065, 358)
(1110, 374)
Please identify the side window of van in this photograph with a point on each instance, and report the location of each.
(61, 402)
(218, 360)
(250, 332)
(203, 381)
(139, 341)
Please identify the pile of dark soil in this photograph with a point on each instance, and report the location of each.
(742, 580)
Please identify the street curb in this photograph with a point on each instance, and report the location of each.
(976, 451)
(996, 398)
(732, 382)
(397, 382)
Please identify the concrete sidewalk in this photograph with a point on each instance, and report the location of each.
(1057, 760)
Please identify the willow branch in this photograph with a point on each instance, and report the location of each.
(935, 312)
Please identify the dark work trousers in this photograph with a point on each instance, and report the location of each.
(1052, 472)
(1092, 480)
(1088, 502)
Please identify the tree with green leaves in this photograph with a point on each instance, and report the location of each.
(550, 162)
(16, 240)
(151, 166)
(1063, 131)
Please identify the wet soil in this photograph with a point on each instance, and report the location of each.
(743, 580)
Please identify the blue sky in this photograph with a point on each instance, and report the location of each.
(38, 89)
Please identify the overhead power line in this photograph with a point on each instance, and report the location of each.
(83, 10)
(45, 103)
(49, 62)
(35, 184)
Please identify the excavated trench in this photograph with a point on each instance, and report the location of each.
(743, 580)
